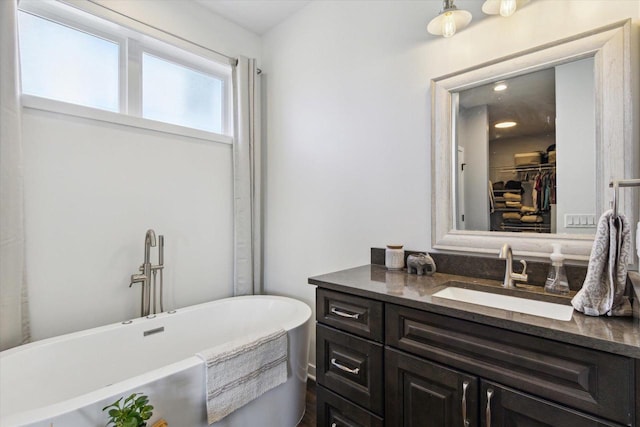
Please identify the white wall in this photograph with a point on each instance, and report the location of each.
(192, 22)
(92, 190)
(347, 121)
(576, 151)
(473, 128)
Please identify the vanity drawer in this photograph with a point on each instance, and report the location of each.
(592, 381)
(333, 410)
(351, 367)
(360, 316)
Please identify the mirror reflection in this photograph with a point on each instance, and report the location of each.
(526, 152)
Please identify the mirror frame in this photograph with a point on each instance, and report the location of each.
(617, 157)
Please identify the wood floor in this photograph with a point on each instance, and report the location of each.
(309, 419)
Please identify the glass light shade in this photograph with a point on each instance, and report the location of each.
(502, 7)
(507, 7)
(457, 20)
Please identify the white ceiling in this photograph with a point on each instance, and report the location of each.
(530, 101)
(257, 16)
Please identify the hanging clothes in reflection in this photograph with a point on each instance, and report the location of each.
(544, 190)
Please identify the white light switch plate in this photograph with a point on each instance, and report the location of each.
(579, 220)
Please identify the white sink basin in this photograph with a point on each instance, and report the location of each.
(506, 302)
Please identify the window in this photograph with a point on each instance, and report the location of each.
(62, 63)
(71, 56)
(176, 94)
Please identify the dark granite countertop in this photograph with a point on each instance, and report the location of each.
(610, 334)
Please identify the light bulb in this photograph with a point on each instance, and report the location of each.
(504, 125)
(507, 7)
(448, 25)
(500, 86)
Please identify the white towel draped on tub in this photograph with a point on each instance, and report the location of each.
(604, 286)
(243, 369)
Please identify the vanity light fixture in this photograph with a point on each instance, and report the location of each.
(449, 20)
(504, 125)
(505, 8)
(500, 86)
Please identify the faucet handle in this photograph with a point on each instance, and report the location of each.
(522, 277)
(524, 267)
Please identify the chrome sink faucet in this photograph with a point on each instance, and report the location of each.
(147, 269)
(509, 275)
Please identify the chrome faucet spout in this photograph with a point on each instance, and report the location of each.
(507, 254)
(149, 241)
(509, 276)
(149, 272)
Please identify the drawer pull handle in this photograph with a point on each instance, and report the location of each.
(465, 421)
(353, 371)
(343, 314)
(488, 413)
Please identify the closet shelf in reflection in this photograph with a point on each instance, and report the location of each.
(537, 228)
(528, 168)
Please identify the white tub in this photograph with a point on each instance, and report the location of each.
(66, 381)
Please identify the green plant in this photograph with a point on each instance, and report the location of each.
(134, 411)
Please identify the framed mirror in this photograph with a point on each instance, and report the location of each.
(593, 136)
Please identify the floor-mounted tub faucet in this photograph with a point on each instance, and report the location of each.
(147, 269)
(509, 275)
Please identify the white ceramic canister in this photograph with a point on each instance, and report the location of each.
(394, 257)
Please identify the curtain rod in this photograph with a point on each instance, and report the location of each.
(234, 61)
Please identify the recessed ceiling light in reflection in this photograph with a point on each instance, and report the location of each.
(500, 86)
(504, 125)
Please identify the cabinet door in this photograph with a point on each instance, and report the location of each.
(423, 394)
(504, 407)
(588, 380)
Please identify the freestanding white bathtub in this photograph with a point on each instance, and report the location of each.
(66, 381)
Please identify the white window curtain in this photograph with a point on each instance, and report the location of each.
(246, 181)
(14, 320)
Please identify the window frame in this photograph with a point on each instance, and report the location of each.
(42, 11)
(132, 44)
(194, 65)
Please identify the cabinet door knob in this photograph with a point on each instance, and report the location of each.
(340, 366)
(488, 412)
(465, 386)
(344, 314)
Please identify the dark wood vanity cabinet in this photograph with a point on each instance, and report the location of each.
(504, 407)
(583, 379)
(335, 411)
(380, 361)
(421, 393)
(349, 360)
